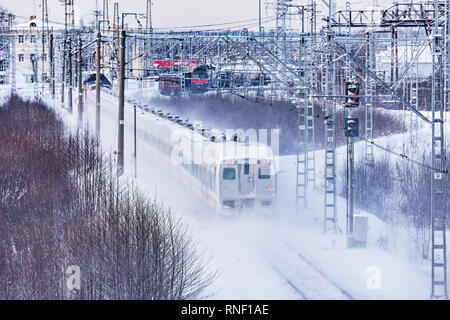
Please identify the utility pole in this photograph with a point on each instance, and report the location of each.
(120, 162)
(13, 63)
(148, 30)
(135, 146)
(69, 72)
(97, 16)
(116, 44)
(44, 5)
(80, 83)
(105, 18)
(97, 86)
(148, 16)
(63, 71)
(52, 66)
(259, 16)
(350, 185)
(116, 15)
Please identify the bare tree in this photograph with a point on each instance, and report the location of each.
(61, 204)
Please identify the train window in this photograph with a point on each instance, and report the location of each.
(264, 173)
(229, 173)
(246, 169)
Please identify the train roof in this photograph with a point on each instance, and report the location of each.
(216, 151)
(231, 150)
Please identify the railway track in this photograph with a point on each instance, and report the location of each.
(308, 281)
(305, 279)
(297, 290)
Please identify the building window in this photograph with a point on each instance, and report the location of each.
(21, 57)
(32, 57)
(2, 65)
(33, 39)
(44, 57)
(21, 38)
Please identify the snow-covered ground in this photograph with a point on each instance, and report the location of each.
(281, 255)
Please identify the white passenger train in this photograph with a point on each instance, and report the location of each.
(227, 173)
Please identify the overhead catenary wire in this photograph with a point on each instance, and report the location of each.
(405, 157)
(216, 24)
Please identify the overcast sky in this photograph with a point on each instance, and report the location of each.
(166, 13)
(173, 13)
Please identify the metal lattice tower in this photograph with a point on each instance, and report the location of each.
(311, 46)
(302, 129)
(370, 92)
(438, 229)
(446, 57)
(6, 45)
(69, 14)
(328, 77)
(281, 17)
(414, 100)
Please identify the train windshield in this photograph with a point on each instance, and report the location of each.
(229, 173)
(264, 173)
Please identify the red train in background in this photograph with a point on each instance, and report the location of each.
(170, 84)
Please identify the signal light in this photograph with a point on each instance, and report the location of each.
(351, 127)
(352, 94)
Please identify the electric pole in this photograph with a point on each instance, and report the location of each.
(350, 186)
(63, 71)
(135, 146)
(69, 72)
(351, 130)
(120, 161)
(52, 66)
(44, 5)
(148, 16)
(97, 86)
(80, 83)
(259, 16)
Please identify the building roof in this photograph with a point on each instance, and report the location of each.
(37, 24)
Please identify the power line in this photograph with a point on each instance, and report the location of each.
(273, 17)
(405, 157)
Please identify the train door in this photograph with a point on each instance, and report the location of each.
(229, 181)
(265, 179)
(247, 181)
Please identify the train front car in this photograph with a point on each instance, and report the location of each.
(246, 176)
(228, 175)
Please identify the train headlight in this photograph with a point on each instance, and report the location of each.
(267, 188)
